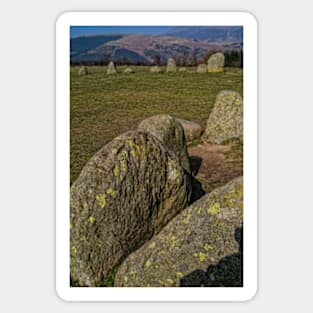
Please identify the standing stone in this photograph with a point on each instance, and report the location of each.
(128, 70)
(127, 192)
(111, 68)
(165, 128)
(155, 69)
(202, 68)
(202, 245)
(192, 130)
(83, 70)
(216, 63)
(182, 69)
(226, 119)
(171, 65)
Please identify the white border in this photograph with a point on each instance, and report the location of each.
(62, 156)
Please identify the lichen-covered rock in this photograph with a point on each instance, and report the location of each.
(129, 70)
(111, 68)
(192, 130)
(171, 65)
(226, 119)
(83, 70)
(155, 69)
(171, 133)
(198, 247)
(127, 192)
(202, 68)
(216, 63)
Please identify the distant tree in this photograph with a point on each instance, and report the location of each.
(194, 58)
(208, 54)
(157, 59)
(124, 61)
(233, 58)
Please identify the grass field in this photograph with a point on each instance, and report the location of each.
(104, 106)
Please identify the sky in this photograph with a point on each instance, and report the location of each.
(76, 31)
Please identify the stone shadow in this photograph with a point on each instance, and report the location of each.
(228, 272)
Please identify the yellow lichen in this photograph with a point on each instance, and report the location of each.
(207, 247)
(188, 231)
(170, 281)
(187, 218)
(148, 263)
(116, 171)
(131, 143)
(214, 208)
(126, 279)
(83, 238)
(152, 245)
(101, 200)
(172, 241)
(73, 250)
(111, 192)
(202, 256)
(123, 165)
(179, 274)
(91, 219)
(122, 158)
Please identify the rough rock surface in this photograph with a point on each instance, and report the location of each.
(202, 68)
(111, 68)
(200, 246)
(192, 130)
(171, 133)
(127, 192)
(155, 69)
(226, 119)
(216, 63)
(171, 65)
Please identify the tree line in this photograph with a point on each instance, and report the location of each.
(233, 58)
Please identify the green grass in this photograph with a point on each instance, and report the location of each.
(104, 106)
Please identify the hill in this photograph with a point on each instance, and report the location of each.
(209, 33)
(143, 49)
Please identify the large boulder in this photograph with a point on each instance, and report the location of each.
(216, 63)
(171, 133)
(202, 68)
(171, 65)
(192, 130)
(200, 247)
(226, 119)
(127, 192)
(111, 68)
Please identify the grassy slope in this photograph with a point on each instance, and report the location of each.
(104, 106)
